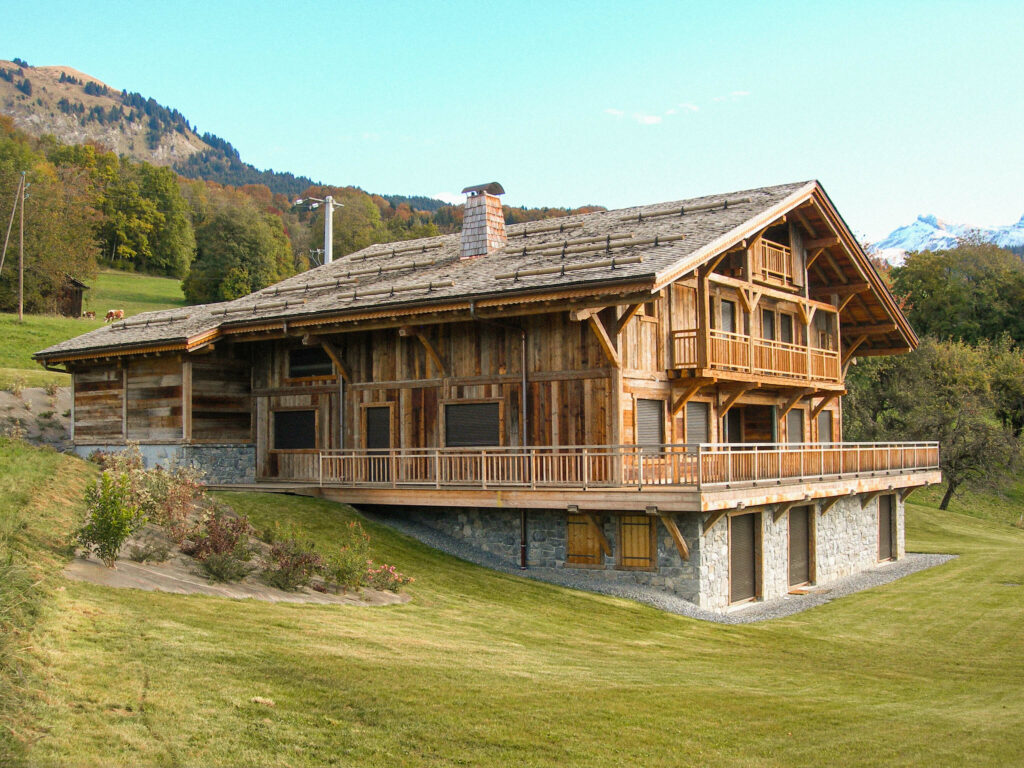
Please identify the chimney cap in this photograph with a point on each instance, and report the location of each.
(494, 188)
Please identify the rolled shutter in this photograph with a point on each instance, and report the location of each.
(650, 422)
(742, 581)
(472, 424)
(799, 546)
(885, 528)
(697, 423)
(795, 426)
(825, 427)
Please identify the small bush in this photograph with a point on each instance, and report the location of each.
(385, 577)
(225, 567)
(52, 388)
(345, 568)
(293, 563)
(149, 553)
(16, 385)
(112, 517)
(219, 533)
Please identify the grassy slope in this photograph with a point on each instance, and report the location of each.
(484, 668)
(110, 290)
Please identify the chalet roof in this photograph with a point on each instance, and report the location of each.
(648, 245)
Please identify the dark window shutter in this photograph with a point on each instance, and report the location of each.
(825, 427)
(742, 581)
(294, 430)
(885, 548)
(309, 361)
(795, 426)
(697, 423)
(728, 316)
(471, 424)
(650, 422)
(378, 428)
(799, 546)
(768, 324)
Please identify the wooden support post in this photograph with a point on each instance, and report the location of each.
(791, 403)
(905, 492)
(850, 350)
(691, 390)
(186, 401)
(814, 257)
(431, 352)
(827, 504)
(703, 320)
(713, 518)
(606, 343)
(731, 400)
(631, 310)
(842, 304)
(670, 525)
(828, 398)
(783, 508)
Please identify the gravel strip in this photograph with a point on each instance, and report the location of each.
(578, 579)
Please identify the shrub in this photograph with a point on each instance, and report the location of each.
(345, 568)
(52, 388)
(293, 562)
(112, 517)
(219, 533)
(224, 567)
(149, 553)
(17, 386)
(386, 577)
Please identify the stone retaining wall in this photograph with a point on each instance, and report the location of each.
(221, 463)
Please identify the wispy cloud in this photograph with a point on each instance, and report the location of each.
(614, 112)
(689, 107)
(643, 119)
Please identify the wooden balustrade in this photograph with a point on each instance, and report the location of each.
(707, 465)
(775, 262)
(733, 352)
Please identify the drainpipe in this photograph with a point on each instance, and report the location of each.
(523, 423)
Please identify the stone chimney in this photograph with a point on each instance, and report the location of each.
(483, 223)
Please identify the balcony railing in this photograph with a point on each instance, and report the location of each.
(739, 352)
(774, 262)
(703, 466)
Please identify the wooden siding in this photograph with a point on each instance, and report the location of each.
(154, 399)
(99, 404)
(221, 400)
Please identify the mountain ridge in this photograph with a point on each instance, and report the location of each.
(930, 233)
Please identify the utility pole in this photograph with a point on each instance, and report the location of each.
(328, 222)
(10, 224)
(21, 254)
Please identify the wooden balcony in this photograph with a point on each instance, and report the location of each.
(737, 352)
(620, 477)
(773, 262)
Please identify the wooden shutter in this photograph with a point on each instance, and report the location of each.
(825, 427)
(378, 428)
(885, 549)
(636, 542)
(742, 566)
(799, 546)
(472, 424)
(294, 430)
(697, 423)
(582, 546)
(650, 422)
(795, 426)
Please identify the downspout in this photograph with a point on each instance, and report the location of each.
(523, 423)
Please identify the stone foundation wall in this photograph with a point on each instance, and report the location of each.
(496, 531)
(221, 463)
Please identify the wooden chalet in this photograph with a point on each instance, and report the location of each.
(653, 393)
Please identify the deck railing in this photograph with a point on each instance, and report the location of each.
(775, 261)
(739, 352)
(707, 465)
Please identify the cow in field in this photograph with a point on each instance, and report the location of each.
(114, 314)
(89, 315)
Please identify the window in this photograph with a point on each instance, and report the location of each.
(378, 427)
(825, 427)
(650, 422)
(472, 424)
(636, 542)
(768, 324)
(728, 316)
(309, 361)
(294, 430)
(795, 426)
(732, 426)
(698, 423)
(824, 325)
(786, 328)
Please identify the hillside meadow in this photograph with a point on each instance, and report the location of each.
(134, 293)
(482, 668)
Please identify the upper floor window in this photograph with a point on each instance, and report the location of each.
(728, 316)
(309, 361)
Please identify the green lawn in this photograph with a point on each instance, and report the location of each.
(110, 290)
(482, 668)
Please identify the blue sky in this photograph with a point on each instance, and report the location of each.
(898, 108)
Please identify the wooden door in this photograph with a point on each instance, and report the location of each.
(583, 547)
(378, 442)
(636, 542)
(742, 558)
(885, 537)
(799, 546)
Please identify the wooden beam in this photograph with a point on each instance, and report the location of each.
(731, 400)
(791, 403)
(842, 290)
(713, 518)
(744, 300)
(783, 508)
(332, 352)
(905, 492)
(598, 530)
(824, 402)
(867, 498)
(821, 242)
(850, 350)
(755, 298)
(843, 302)
(869, 330)
(814, 257)
(835, 266)
(670, 525)
(715, 262)
(606, 343)
(827, 504)
(631, 310)
(806, 313)
(692, 389)
(431, 352)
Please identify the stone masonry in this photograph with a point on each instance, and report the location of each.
(221, 463)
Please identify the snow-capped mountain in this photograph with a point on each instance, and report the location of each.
(929, 233)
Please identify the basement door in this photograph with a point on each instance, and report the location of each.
(799, 546)
(583, 547)
(742, 558)
(885, 537)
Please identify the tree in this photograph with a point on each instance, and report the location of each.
(239, 249)
(942, 391)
